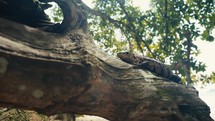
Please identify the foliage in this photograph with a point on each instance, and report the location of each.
(115, 36)
(24, 115)
(55, 13)
(207, 78)
(13, 115)
(185, 23)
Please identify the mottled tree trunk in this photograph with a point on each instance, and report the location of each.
(187, 61)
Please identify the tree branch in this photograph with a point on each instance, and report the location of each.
(51, 74)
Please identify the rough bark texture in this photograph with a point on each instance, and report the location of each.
(52, 73)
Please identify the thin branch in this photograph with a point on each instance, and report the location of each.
(135, 32)
(166, 24)
(131, 25)
(104, 16)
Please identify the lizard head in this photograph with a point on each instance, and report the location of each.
(128, 57)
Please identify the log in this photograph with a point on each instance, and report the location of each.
(54, 73)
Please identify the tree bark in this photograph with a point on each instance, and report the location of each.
(53, 73)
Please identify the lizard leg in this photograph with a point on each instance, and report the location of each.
(175, 78)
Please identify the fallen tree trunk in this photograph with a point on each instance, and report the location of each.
(53, 73)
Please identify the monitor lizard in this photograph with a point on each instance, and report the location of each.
(149, 64)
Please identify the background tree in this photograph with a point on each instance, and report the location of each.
(185, 27)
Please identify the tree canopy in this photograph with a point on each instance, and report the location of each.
(167, 31)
